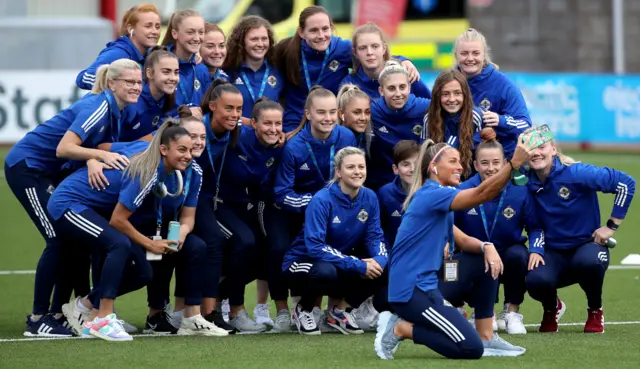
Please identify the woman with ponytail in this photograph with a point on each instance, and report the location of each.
(81, 215)
(184, 37)
(354, 112)
(501, 222)
(222, 108)
(138, 32)
(452, 118)
(314, 56)
(34, 166)
(426, 230)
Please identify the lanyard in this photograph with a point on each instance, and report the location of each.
(262, 86)
(452, 247)
(216, 74)
(306, 69)
(315, 162)
(213, 168)
(196, 86)
(118, 122)
(159, 202)
(495, 219)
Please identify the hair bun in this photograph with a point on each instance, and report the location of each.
(488, 134)
(184, 112)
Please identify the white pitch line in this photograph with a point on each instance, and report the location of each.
(29, 272)
(34, 339)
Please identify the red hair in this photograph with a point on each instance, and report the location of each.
(132, 16)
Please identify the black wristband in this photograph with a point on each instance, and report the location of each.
(612, 225)
(510, 163)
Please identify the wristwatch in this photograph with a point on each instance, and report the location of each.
(612, 225)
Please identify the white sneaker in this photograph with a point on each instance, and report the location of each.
(472, 321)
(496, 346)
(244, 324)
(199, 326)
(225, 310)
(109, 329)
(500, 318)
(282, 323)
(76, 315)
(175, 317)
(261, 315)
(305, 321)
(514, 323)
(367, 315)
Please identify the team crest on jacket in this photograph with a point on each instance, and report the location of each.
(508, 212)
(155, 120)
(363, 216)
(196, 84)
(485, 103)
(417, 130)
(270, 162)
(334, 65)
(272, 81)
(564, 192)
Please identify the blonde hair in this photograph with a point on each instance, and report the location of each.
(392, 67)
(174, 23)
(339, 158)
(145, 164)
(564, 159)
(473, 34)
(109, 72)
(367, 28)
(347, 93)
(428, 151)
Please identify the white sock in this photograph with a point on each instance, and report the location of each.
(81, 307)
(192, 318)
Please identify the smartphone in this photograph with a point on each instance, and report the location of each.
(539, 136)
(174, 233)
(150, 255)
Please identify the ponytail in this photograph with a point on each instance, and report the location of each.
(429, 152)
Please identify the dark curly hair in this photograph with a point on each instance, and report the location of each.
(235, 41)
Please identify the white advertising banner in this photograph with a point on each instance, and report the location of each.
(29, 98)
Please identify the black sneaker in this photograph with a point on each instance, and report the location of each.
(159, 324)
(47, 326)
(216, 318)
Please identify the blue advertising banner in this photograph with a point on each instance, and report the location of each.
(593, 108)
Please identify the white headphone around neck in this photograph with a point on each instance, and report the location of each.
(161, 191)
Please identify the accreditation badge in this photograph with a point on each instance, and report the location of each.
(451, 270)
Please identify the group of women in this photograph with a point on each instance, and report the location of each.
(364, 186)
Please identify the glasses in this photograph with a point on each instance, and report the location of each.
(130, 82)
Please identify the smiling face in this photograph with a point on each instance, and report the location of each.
(190, 34)
(395, 90)
(451, 97)
(406, 168)
(256, 43)
(322, 115)
(146, 30)
(127, 87)
(370, 51)
(448, 168)
(198, 135)
(165, 75)
(213, 49)
(470, 57)
(488, 162)
(269, 126)
(357, 114)
(177, 154)
(353, 171)
(227, 110)
(317, 31)
(542, 157)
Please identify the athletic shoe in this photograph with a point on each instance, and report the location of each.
(283, 322)
(76, 315)
(366, 315)
(343, 321)
(63, 321)
(216, 318)
(496, 346)
(502, 324)
(109, 328)
(551, 318)
(386, 342)
(595, 321)
(199, 326)
(46, 326)
(243, 323)
(305, 321)
(494, 323)
(129, 328)
(175, 317)
(86, 331)
(514, 324)
(321, 320)
(261, 315)
(159, 324)
(225, 309)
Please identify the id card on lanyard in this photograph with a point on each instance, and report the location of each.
(315, 161)
(305, 68)
(488, 232)
(263, 85)
(450, 265)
